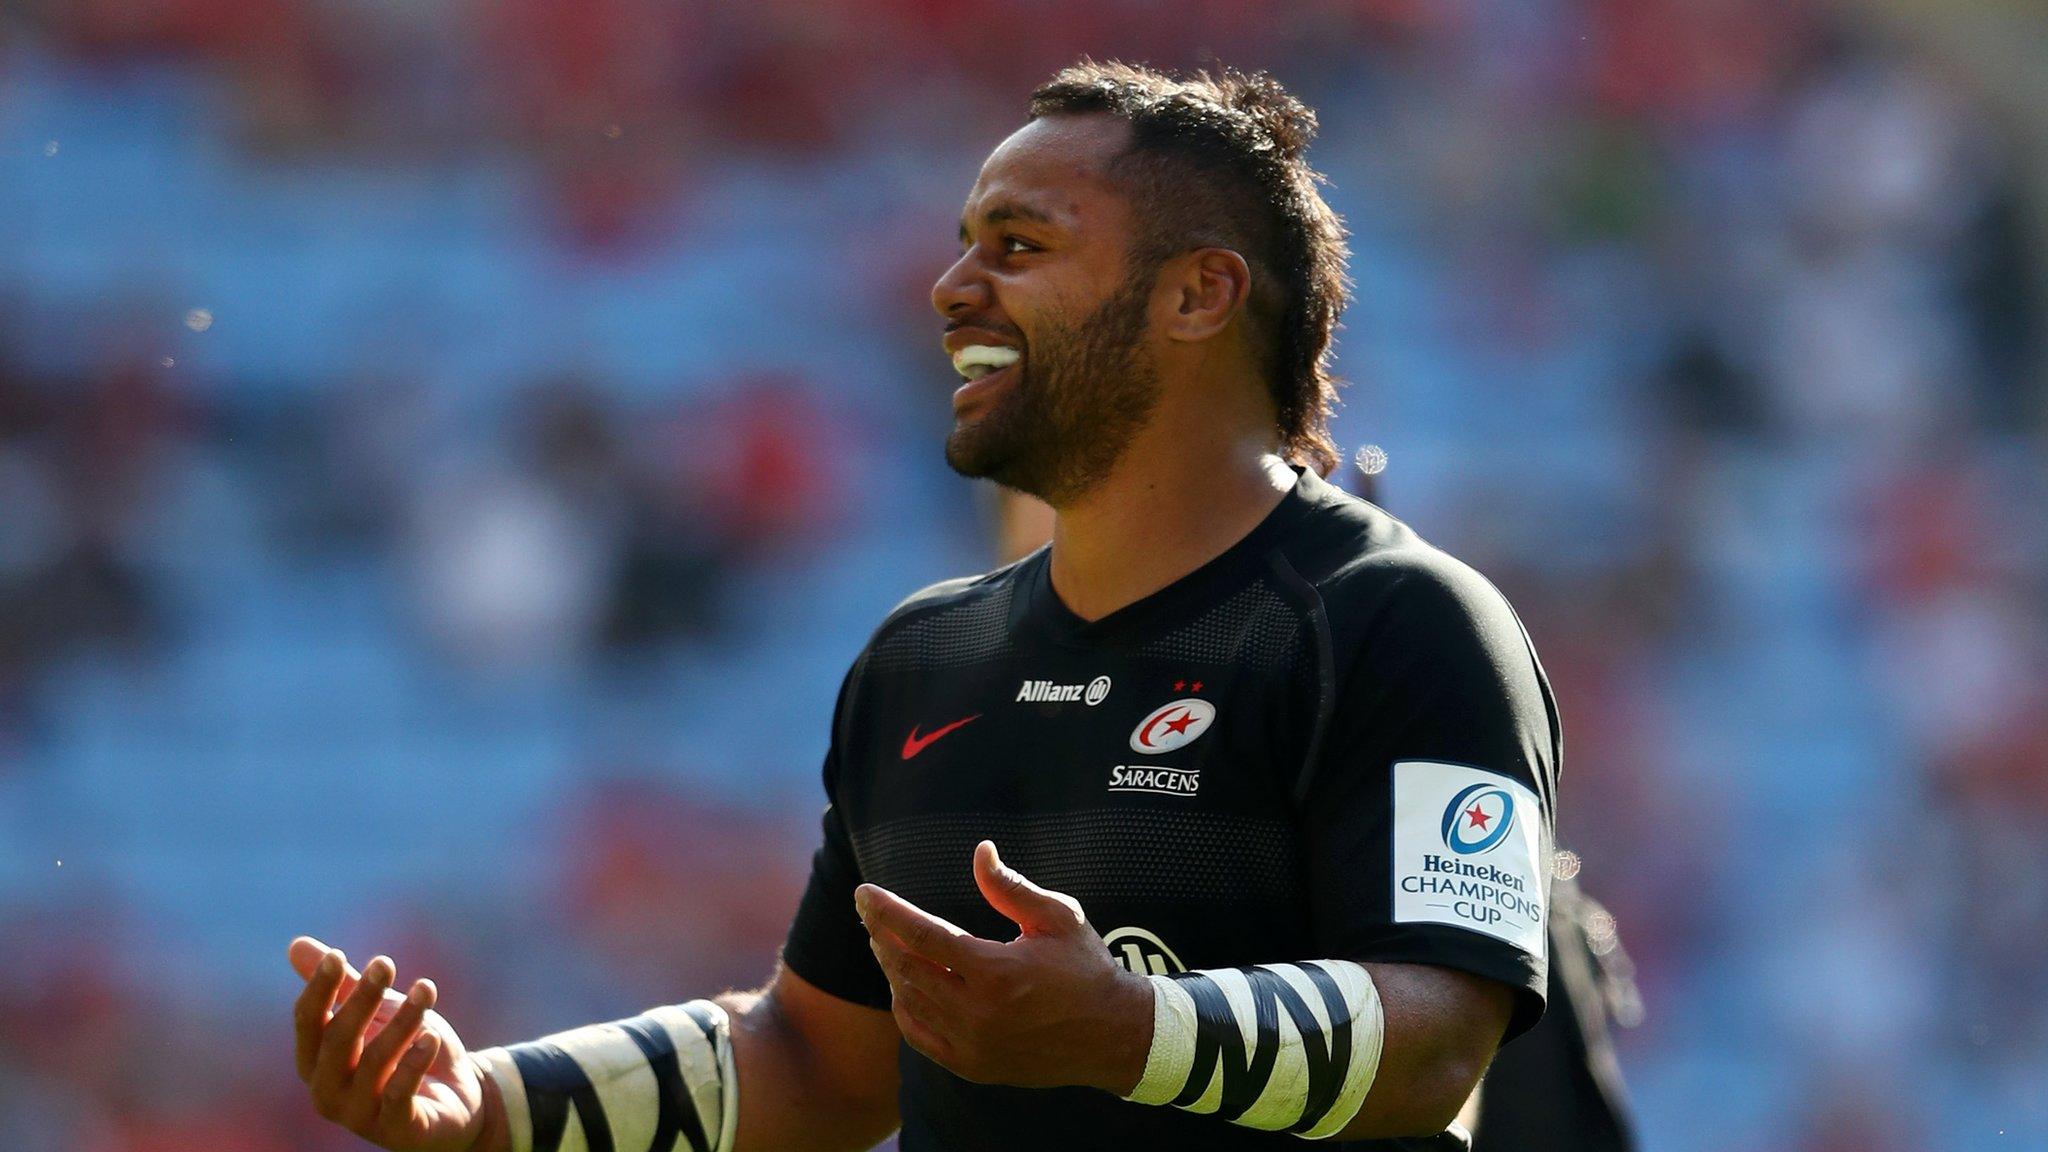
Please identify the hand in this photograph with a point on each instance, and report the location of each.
(387, 1067)
(1050, 1008)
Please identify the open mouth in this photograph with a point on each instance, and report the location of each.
(985, 368)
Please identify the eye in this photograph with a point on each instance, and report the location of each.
(1016, 244)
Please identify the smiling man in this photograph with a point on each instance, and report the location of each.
(1272, 778)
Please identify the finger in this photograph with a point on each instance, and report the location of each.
(914, 975)
(1036, 910)
(903, 998)
(925, 971)
(395, 1111)
(382, 1053)
(452, 1052)
(919, 931)
(920, 1036)
(309, 1012)
(305, 954)
(343, 1043)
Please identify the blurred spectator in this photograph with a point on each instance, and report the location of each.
(512, 558)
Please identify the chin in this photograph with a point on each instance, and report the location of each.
(975, 462)
(980, 446)
(964, 456)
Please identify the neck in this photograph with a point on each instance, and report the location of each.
(1173, 503)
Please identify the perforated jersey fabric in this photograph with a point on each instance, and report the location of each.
(1255, 625)
(1226, 798)
(1093, 856)
(955, 634)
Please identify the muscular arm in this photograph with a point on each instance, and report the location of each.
(817, 1074)
(1051, 1008)
(1442, 1027)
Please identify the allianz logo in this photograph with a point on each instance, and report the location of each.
(1051, 692)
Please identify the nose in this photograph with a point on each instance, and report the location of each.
(961, 289)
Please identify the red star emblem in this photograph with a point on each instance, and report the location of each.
(1195, 687)
(1478, 818)
(1179, 724)
(1180, 685)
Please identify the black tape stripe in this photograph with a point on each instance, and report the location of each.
(546, 1104)
(1270, 987)
(1242, 1082)
(700, 1013)
(555, 1082)
(1218, 1039)
(678, 1112)
(1315, 1049)
(1210, 1005)
(706, 1022)
(1322, 1096)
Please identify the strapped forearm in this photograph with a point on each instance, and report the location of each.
(662, 1081)
(1282, 1047)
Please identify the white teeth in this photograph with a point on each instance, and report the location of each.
(978, 360)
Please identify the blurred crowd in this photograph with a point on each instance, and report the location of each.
(450, 451)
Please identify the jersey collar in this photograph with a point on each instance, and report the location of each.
(1041, 608)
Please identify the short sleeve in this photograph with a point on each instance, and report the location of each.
(1428, 817)
(827, 944)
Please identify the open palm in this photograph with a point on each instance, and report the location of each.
(383, 1065)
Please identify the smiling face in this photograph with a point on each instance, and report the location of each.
(1046, 318)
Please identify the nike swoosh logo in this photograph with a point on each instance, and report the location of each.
(913, 743)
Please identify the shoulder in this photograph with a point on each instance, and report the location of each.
(945, 593)
(952, 618)
(947, 597)
(1426, 649)
(1373, 572)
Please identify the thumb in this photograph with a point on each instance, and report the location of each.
(1035, 910)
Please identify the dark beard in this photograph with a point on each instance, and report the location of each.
(1084, 391)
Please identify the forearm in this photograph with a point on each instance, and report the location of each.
(787, 1067)
(1343, 1051)
(1432, 1057)
(797, 1098)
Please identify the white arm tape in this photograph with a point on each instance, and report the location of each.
(662, 1081)
(1290, 1047)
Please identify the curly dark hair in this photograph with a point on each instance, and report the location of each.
(1217, 161)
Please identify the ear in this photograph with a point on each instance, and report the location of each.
(1210, 287)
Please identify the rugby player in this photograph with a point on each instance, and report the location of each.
(1219, 822)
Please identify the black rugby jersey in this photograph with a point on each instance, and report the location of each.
(1333, 741)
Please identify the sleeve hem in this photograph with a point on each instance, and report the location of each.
(831, 980)
(1456, 949)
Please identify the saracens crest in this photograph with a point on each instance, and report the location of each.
(1173, 726)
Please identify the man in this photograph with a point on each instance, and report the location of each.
(1298, 764)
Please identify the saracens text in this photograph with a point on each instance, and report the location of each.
(1153, 778)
